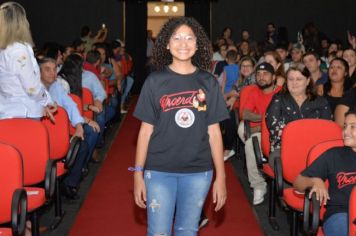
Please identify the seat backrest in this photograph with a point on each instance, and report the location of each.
(244, 94)
(298, 137)
(30, 137)
(87, 99)
(11, 178)
(352, 212)
(322, 147)
(265, 143)
(79, 103)
(58, 134)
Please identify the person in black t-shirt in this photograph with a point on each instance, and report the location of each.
(347, 102)
(179, 141)
(338, 166)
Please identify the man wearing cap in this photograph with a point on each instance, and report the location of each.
(256, 105)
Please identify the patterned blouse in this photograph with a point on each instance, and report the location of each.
(284, 109)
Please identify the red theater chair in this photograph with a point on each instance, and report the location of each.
(87, 99)
(30, 137)
(62, 151)
(298, 138)
(13, 199)
(317, 212)
(267, 170)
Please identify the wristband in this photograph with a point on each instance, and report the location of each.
(136, 168)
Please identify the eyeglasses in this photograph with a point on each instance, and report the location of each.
(180, 37)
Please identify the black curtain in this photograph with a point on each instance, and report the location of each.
(200, 10)
(135, 40)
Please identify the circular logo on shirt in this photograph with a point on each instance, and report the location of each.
(184, 118)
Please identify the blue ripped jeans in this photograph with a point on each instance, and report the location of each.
(178, 196)
(336, 225)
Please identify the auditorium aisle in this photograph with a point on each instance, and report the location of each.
(109, 208)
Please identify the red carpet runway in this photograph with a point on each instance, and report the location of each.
(110, 210)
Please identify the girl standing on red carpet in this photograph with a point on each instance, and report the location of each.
(179, 142)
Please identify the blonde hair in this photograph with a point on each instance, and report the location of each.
(14, 25)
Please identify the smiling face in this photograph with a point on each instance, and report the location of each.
(182, 44)
(349, 131)
(297, 83)
(246, 68)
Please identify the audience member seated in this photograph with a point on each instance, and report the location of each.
(85, 129)
(338, 82)
(347, 102)
(70, 77)
(297, 100)
(111, 70)
(312, 61)
(282, 50)
(349, 55)
(337, 165)
(90, 80)
(246, 77)
(275, 60)
(255, 107)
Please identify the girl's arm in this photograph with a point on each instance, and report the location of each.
(141, 153)
(219, 187)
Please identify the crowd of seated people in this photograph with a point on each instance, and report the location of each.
(307, 79)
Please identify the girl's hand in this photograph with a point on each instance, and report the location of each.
(219, 193)
(139, 190)
(320, 190)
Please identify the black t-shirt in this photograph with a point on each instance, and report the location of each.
(349, 99)
(180, 107)
(219, 68)
(338, 166)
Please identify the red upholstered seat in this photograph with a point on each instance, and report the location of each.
(11, 190)
(30, 138)
(294, 199)
(36, 198)
(5, 232)
(61, 170)
(87, 99)
(267, 169)
(298, 138)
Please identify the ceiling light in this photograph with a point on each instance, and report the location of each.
(166, 8)
(174, 8)
(157, 8)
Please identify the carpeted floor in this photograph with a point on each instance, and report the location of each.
(109, 208)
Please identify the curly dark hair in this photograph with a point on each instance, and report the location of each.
(162, 57)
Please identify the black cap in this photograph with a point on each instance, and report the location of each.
(265, 66)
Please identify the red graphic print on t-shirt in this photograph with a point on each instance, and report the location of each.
(345, 178)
